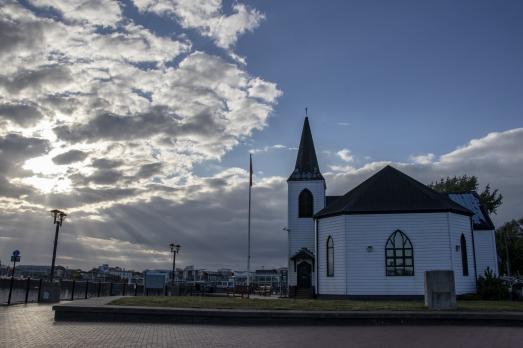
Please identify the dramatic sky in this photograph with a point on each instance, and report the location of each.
(136, 117)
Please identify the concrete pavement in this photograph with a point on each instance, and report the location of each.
(34, 326)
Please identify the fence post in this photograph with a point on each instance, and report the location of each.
(111, 289)
(27, 287)
(123, 290)
(72, 291)
(99, 288)
(86, 288)
(40, 289)
(10, 289)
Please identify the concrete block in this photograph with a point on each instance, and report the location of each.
(440, 290)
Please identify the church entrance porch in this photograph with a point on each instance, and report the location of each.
(302, 269)
(304, 275)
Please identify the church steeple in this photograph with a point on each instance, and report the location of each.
(306, 167)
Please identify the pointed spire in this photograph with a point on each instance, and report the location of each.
(307, 167)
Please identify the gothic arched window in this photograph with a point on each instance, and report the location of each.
(330, 257)
(399, 255)
(464, 258)
(305, 208)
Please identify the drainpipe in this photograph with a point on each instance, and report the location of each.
(474, 251)
(316, 263)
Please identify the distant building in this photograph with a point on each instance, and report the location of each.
(38, 271)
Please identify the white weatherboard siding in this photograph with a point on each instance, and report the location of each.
(428, 233)
(461, 224)
(334, 227)
(302, 234)
(486, 254)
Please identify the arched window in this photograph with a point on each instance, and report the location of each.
(305, 204)
(399, 255)
(464, 258)
(330, 257)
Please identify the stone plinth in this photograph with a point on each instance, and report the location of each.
(440, 290)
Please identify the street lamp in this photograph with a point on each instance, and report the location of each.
(175, 248)
(58, 219)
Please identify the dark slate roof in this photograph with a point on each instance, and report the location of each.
(306, 167)
(331, 199)
(391, 191)
(470, 200)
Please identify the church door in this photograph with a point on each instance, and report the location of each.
(304, 275)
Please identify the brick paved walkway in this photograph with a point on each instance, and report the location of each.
(33, 326)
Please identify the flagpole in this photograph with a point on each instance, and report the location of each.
(249, 230)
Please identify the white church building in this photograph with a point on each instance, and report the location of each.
(379, 238)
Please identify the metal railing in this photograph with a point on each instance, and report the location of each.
(27, 290)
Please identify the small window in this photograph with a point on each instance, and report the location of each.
(399, 255)
(464, 258)
(305, 208)
(330, 257)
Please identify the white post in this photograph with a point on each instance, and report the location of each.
(249, 243)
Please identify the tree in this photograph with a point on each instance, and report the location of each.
(509, 239)
(459, 184)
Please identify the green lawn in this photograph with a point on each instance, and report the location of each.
(311, 305)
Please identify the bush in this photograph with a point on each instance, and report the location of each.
(491, 287)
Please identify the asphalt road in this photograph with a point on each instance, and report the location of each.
(33, 326)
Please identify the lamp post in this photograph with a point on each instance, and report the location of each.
(175, 248)
(58, 219)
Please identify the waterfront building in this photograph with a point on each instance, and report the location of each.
(380, 238)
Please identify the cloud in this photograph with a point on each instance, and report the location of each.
(43, 79)
(268, 148)
(95, 12)
(494, 158)
(423, 159)
(138, 224)
(70, 156)
(104, 163)
(24, 114)
(105, 117)
(207, 17)
(148, 170)
(15, 149)
(345, 155)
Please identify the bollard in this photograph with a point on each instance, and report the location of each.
(39, 289)
(99, 288)
(27, 287)
(123, 290)
(86, 288)
(72, 291)
(135, 289)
